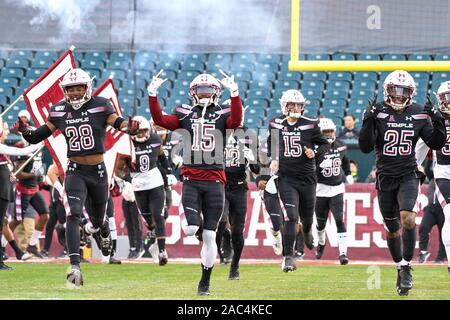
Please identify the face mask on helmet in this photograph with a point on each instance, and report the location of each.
(294, 110)
(143, 133)
(205, 90)
(398, 89)
(443, 96)
(330, 135)
(293, 103)
(77, 88)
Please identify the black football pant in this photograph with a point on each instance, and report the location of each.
(57, 215)
(133, 223)
(432, 215)
(81, 182)
(336, 205)
(151, 204)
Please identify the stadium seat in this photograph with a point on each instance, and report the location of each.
(18, 63)
(49, 55)
(258, 104)
(394, 57)
(274, 111)
(357, 103)
(313, 75)
(268, 58)
(287, 84)
(338, 85)
(200, 57)
(144, 56)
(343, 56)
(367, 56)
(96, 56)
(364, 85)
(3, 102)
(271, 67)
(313, 84)
(363, 94)
(252, 120)
(12, 72)
(91, 71)
(194, 65)
(98, 64)
(120, 74)
(21, 54)
(188, 75)
(119, 56)
(347, 76)
(337, 104)
(143, 74)
(294, 75)
(145, 65)
(440, 57)
(6, 90)
(419, 56)
(243, 85)
(169, 65)
(247, 57)
(318, 56)
(243, 75)
(360, 76)
(9, 81)
(41, 63)
(263, 84)
(219, 57)
(264, 76)
(259, 94)
(242, 65)
(310, 94)
(119, 64)
(170, 57)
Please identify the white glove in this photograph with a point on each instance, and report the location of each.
(59, 187)
(177, 160)
(274, 166)
(271, 187)
(128, 193)
(327, 163)
(152, 88)
(248, 154)
(230, 84)
(171, 179)
(350, 179)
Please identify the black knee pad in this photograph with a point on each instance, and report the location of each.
(306, 224)
(340, 225)
(392, 224)
(321, 224)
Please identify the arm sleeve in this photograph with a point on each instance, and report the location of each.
(434, 135)
(421, 151)
(255, 168)
(346, 165)
(170, 122)
(165, 165)
(36, 136)
(322, 143)
(235, 118)
(13, 151)
(367, 136)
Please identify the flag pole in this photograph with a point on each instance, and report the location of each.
(19, 98)
(29, 160)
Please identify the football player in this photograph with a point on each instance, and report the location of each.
(294, 138)
(82, 119)
(330, 189)
(204, 123)
(442, 166)
(392, 127)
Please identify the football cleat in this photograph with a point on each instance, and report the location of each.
(299, 255)
(423, 256)
(74, 278)
(319, 252)
(234, 273)
(24, 256)
(4, 266)
(34, 251)
(163, 258)
(44, 253)
(309, 240)
(203, 289)
(4, 256)
(343, 259)
(113, 260)
(277, 244)
(448, 271)
(406, 281)
(288, 264)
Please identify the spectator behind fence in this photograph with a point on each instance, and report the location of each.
(354, 170)
(349, 131)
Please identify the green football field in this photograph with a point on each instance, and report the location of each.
(258, 282)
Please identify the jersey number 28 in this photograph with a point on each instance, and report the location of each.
(80, 138)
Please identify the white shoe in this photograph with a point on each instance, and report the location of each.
(163, 258)
(154, 251)
(26, 256)
(105, 259)
(277, 244)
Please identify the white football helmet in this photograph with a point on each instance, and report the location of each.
(443, 96)
(295, 97)
(205, 90)
(24, 113)
(328, 125)
(399, 88)
(73, 78)
(144, 124)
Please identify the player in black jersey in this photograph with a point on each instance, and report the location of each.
(293, 138)
(82, 119)
(203, 129)
(392, 128)
(331, 173)
(238, 156)
(27, 193)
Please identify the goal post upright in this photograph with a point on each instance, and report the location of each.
(350, 65)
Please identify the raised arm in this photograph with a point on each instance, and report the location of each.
(34, 136)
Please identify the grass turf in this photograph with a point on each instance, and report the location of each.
(258, 282)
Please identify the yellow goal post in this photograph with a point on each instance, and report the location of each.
(350, 65)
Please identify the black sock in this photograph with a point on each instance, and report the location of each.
(161, 244)
(206, 274)
(237, 239)
(73, 239)
(288, 238)
(1, 253)
(114, 247)
(15, 247)
(395, 248)
(409, 242)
